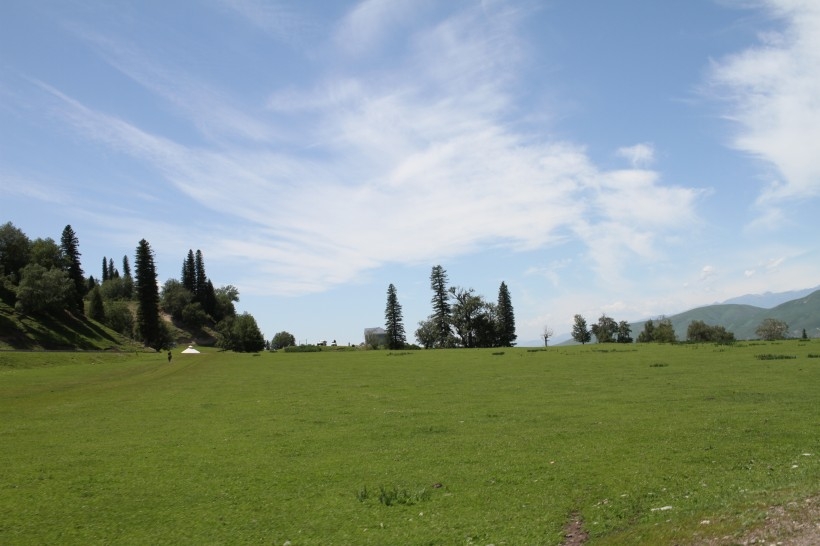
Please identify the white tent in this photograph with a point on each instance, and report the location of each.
(190, 350)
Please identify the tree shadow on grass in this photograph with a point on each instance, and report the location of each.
(12, 335)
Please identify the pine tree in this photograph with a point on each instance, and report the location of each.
(148, 327)
(70, 247)
(126, 268)
(506, 317)
(112, 271)
(394, 326)
(580, 332)
(441, 305)
(105, 269)
(209, 299)
(201, 279)
(189, 272)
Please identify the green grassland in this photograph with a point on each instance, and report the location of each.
(644, 442)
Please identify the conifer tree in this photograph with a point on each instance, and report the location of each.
(148, 327)
(506, 317)
(112, 271)
(70, 247)
(201, 280)
(189, 272)
(209, 301)
(441, 305)
(105, 269)
(126, 268)
(394, 325)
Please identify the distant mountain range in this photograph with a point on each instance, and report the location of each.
(800, 313)
(769, 299)
(800, 309)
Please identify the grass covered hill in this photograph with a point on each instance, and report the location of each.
(67, 332)
(743, 320)
(63, 332)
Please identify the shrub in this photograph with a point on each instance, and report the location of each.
(283, 339)
(303, 349)
(775, 357)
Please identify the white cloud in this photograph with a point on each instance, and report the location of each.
(551, 271)
(26, 186)
(707, 272)
(773, 90)
(208, 108)
(639, 155)
(420, 163)
(372, 22)
(774, 263)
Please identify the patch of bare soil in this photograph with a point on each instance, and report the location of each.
(795, 524)
(574, 534)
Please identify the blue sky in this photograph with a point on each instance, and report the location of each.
(632, 158)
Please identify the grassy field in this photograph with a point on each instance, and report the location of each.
(646, 443)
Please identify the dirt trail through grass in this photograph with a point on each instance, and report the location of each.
(574, 533)
(795, 524)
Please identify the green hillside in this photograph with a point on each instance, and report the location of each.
(64, 332)
(743, 320)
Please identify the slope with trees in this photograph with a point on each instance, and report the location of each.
(744, 320)
(42, 282)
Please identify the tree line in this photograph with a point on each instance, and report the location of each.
(462, 318)
(41, 277)
(607, 330)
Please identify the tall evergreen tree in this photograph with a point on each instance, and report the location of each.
(126, 268)
(112, 271)
(201, 280)
(148, 327)
(394, 325)
(506, 317)
(441, 305)
(70, 247)
(189, 272)
(209, 301)
(105, 269)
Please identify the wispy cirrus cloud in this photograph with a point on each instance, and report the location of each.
(212, 110)
(371, 21)
(280, 19)
(415, 162)
(772, 90)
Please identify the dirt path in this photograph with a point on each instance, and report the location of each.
(795, 524)
(574, 533)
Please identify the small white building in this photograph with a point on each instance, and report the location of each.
(375, 336)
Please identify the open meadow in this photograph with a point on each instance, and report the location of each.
(647, 444)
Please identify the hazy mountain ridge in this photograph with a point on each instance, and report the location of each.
(799, 313)
(767, 300)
